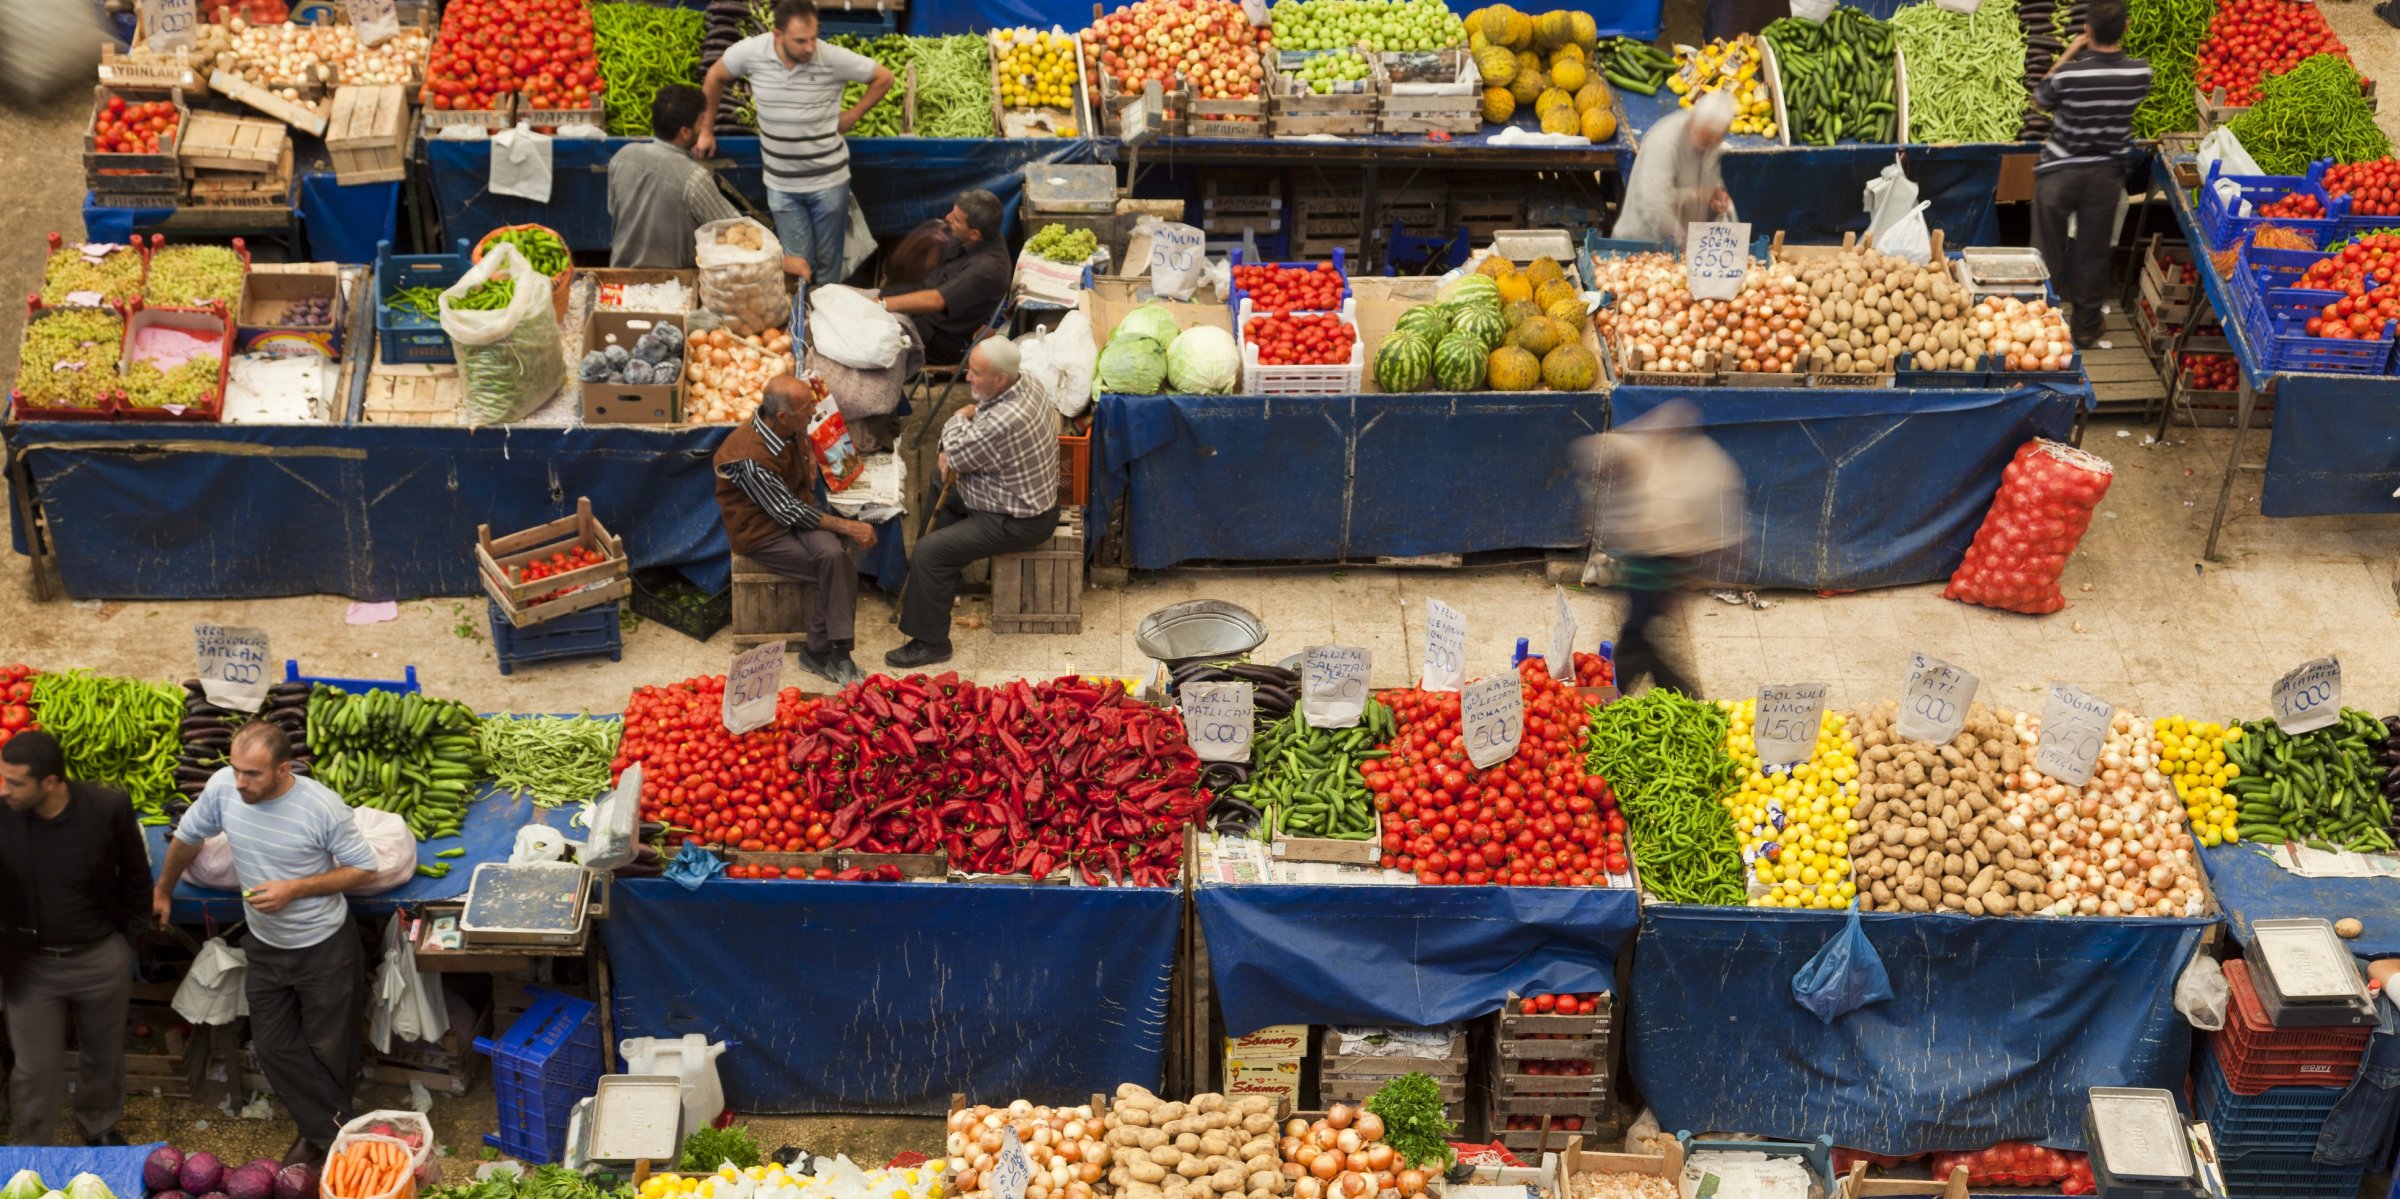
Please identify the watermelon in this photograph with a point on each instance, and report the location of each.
(1478, 288)
(1429, 321)
(1484, 323)
(1402, 361)
(1458, 361)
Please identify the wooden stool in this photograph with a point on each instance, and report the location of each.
(1037, 591)
(768, 606)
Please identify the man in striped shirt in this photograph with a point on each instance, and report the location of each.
(763, 468)
(2090, 92)
(796, 84)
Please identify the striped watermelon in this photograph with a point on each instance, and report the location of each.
(1458, 361)
(1402, 362)
(1429, 321)
(1479, 288)
(1485, 323)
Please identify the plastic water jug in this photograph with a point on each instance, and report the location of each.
(692, 1058)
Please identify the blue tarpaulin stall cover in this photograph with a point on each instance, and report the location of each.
(890, 997)
(342, 223)
(487, 834)
(1862, 487)
(1413, 956)
(2250, 889)
(119, 1167)
(1995, 1029)
(2335, 448)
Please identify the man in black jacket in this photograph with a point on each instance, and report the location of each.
(74, 889)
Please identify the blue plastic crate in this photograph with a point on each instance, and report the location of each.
(2220, 218)
(405, 336)
(575, 635)
(2278, 1119)
(541, 1067)
(2276, 320)
(2260, 1175)
(401, 686)
(1341, 266)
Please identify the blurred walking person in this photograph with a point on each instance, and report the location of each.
(1665, 499)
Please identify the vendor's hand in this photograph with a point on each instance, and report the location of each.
(965, 412)
(1720, 204)
(162, 907)
(704, 145)
(942, 463)
(856, 530)
(793, 264)
(2081, 41)
(271, 896)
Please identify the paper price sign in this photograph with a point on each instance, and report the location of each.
(2074, 730)
(1012, 1168)
(1716, 255)
(172, 24)
(1933, 704)
(1560, 658)
(2310, 697)
(1445, 647)
(1789, 715)
(751, 684)
(1492, 717)
(233, 666)
(1217, 718)
(373, 21)
(1333, 685)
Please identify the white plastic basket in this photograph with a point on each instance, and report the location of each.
(1301, 380)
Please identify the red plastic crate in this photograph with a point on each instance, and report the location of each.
(2257, 1055)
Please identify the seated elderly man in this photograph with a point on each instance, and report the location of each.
(1002, 451)
(763, 468)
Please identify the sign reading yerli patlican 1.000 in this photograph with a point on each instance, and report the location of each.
(1218, 718)
(232, 666)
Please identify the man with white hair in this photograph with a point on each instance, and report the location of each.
(1002, 453)
(1676, 177)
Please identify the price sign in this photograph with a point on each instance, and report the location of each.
(2074, 730)
(1012, 1168)
(750, 687)
(2310, 697)
(1716, 253)
(1491, 714)
(233, 666)
(374, 21)
(1217, 718)
(1445, 647)
(1789, 715)
(1333, 685)
(1933, 705)
(171, 24)
(1560, 658)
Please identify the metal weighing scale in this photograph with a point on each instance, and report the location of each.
(2140, 1146)
(528, 903)
(2305, 977)
(2003, 271)
(632, 1118)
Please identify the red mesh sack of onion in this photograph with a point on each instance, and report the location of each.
(2045, 502)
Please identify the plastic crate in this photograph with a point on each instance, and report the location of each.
(402, 337)
(2257, 1055)
(2222, 221)
(1301, 380)
(2276, 319)
(2296, 1175)
(546, 1061)
(581, 634)
(406, 685)
(1074, 469)
(2278, 1118)
(1817, 1155)
(1341, 266)
(653, 599)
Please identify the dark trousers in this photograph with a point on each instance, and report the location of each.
(89, 988)
(960, 536)
(1652, 603)
(308, 1011)
(824, 560)
(2078, 265)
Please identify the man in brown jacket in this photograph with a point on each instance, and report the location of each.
(763, 468)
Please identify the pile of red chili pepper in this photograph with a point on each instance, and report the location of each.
(1018, 778)
(710, 787)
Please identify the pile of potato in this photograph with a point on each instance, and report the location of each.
(1867, 309)
(1932, 833)
(1208, 1147)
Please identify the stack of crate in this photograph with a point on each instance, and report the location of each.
(2265, 1091)
(1354, 1063)
(1326, 218)
(236, 162)
(1234, 203)
(1553, 1074)
(1266, 1063)
(2170, 297)
(1484, 210)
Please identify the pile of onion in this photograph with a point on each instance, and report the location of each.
(2118, 846)
(1658, 326)
(1344, 1156)
(2025, 336)
(1065, 1144)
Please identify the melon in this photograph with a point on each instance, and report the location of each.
(1544, 269)
(1517, 312)
(1554, 29)
(1520, 30)
(1499, 107)
(1493, 267)
(1568, 51)
(1458, 362)
(1569, 312)
(1483, 324)
(1550, 98)
(1514, 287)
(1498, 67)
(1513, 369)
(1402, 362)
(1548, 294)
(1599, 124)
(1476, 41)
(1561, 118)
(1529, 83)
(1568, 73)
(1570, 367)
(1537, 337)
(1494, 24)
(1593, 95)
(1429, 321)
(1587, 30)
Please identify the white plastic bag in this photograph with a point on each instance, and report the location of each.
(510, 360)
(2202, 993)
(212, 991)
(408, 1005)
(858, 244)
(691, 1058)
(846, 326)
(2221, 146)
(408, 1130)
(1889, 196)
(741, 276)
(521, 164)
(539, 843)
(386, 833)
(1059, 360)
(1908, 238)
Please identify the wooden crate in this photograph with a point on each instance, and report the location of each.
(1448, 1068)
(1297, 109)
(307, 118)
(594, 114)
(140, 174)
(1365, 851)
(1485, 212)
(153, 69)
(1196, 117)
(1039, 120)
(368, 134)
(412, 395)
(1252, 204)
(1041, 590)
(216, 141)
(914, 867)
(235, 189)
(519, 602)
(501, 115)
(1452, 107)
(1526, 1037)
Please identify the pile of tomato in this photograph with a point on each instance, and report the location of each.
(2373, 187)
(2211, 372)
(710, 787)
(2355, 266)
(1291, 288)
(1301, 339)
(556, 564)
(1535, 820)
(2295, 205)
(16, 700)
(1592, 670)
(121, 128)
(490, 49)
(2367, 316)
(823, 874)
(2249, 40)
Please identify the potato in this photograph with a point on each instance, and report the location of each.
(1258, 1123)
(1208, 1101)
(1254, 1105)
(1137, 1116)
(1188, 1142)
(1151, 1138)
(1256, 1147)
(1126, 1136)
(1265, 1180)
(1167, 1155)
(1263, 1161)
(1192, 1167)
(1145, 1170)
(1170, 1111)
(1227, 1181)
(1216, 1142)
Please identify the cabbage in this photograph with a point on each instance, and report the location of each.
(1131, 366)
(1204, 361)
(26, 1185)
(88, 1186)
(1150, 320)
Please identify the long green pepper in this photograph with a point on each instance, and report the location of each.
(117, 732)
(1664, 755)
(642, 48)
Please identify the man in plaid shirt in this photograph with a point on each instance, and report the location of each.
(1002, 450)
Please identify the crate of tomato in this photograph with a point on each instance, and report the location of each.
(130, 144)
(1300, 353)
(1290, 286)
(554, 569)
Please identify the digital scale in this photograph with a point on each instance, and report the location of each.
(2140, 1146)
(2305, 977)
(527, 903)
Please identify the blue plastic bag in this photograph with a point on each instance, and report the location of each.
(693, 866)
(1844, 976)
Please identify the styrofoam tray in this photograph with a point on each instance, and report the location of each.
(637, 1117)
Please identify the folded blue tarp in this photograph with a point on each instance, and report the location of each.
(487, 834)
(2335, 448)
(891, 997)
(1995, 1030)
(1412, 956)
(120, 1167)
(2250, 889)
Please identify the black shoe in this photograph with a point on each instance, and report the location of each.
(112, 1139)
(834, 665)
(915, 654)
(304, 1152)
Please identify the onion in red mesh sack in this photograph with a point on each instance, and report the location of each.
(2045, 502)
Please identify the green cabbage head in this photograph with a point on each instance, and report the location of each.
(1150, 320)
(1132, 366)
(1204, 361)
(26, 1185)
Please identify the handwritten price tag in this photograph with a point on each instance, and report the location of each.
(1445, 647)
(1560, 658)
(1012, 1168)
(374, 21)
(1492, 717)
(750, 687)
(1715, 256)
(2310, 697)
(1217, 718)
(233, 666)
(172, 24)
(2074, 730)
(1933, 704)
(1789, 715)
(1333, 685)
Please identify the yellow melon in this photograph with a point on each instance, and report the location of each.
(1568, 312)
(1520, 30)
(1528, 85)
(1599, 124)
(1594, 94)
(1561, 119)
(1570, 50)
(1544, 269)
(1587, 31)
(1477, 42)
(1513, 369)
(1499, 108)
(1498, 66)
(1549, 294)
(1495, 267)
(1520, 312)
(1568, 74)
(1494, 23)
(1553, 98)
(1554, 29)
(1513, 286)
(1569, 367)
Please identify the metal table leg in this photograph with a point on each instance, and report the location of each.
(2244, 403)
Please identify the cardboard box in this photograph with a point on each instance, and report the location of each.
(1112, 297)
(629, 403)
(1276, 1041)
(1275, 1080)
(270, 291)
(2016, 178)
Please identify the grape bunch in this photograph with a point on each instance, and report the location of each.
(1059, 244)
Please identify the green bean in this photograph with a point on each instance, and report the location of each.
(1664, 756)
(540, 247)
(1966, 72)
(2315, 110)
(117, 732)
(642, 48)
(553, 759)
(954, 84)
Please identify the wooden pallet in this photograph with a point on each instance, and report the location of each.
(216, 141)
(413, 395)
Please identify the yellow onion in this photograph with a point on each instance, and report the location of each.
(1370, 1126)
(1379, 1157)
(1339, 1115)
(1412, 1182)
